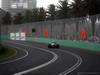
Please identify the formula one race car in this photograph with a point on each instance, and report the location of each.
(53, 45)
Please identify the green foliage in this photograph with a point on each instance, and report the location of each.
(34, 15)
(6, 52)
(63, 11)
(18, 18)
(51, 12)
(81, 8)
(78, 8)
(41, 14)
(7, 19)
(93, 6)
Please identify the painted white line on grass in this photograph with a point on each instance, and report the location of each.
(55, 57)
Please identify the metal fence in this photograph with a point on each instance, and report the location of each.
(65, 29)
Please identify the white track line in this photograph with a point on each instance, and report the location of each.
(74, 66)
(40, 66)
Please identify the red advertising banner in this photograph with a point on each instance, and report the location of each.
(46, 33)
(83, 34)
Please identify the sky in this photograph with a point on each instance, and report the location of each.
(43, 3)
(0, 3)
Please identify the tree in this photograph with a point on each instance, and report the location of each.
(34, 15)
(77, 8)
(2, 13)
(63, 9)
(28, 16)
(92, 6)
(7, 19)
(51, 12)
(18, 18)
(41, 14)
(81, 8)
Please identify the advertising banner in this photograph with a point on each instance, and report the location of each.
(12, 36)
(22, 37)
(17, 36)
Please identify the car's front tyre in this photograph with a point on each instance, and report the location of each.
(49, 46)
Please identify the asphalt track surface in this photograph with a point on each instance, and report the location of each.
(36, 59)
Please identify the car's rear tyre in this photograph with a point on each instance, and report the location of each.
(58, 46)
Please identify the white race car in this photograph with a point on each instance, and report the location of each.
(53, 45)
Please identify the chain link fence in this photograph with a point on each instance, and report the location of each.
(65, 29)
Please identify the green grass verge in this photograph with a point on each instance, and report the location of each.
(6, 52)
